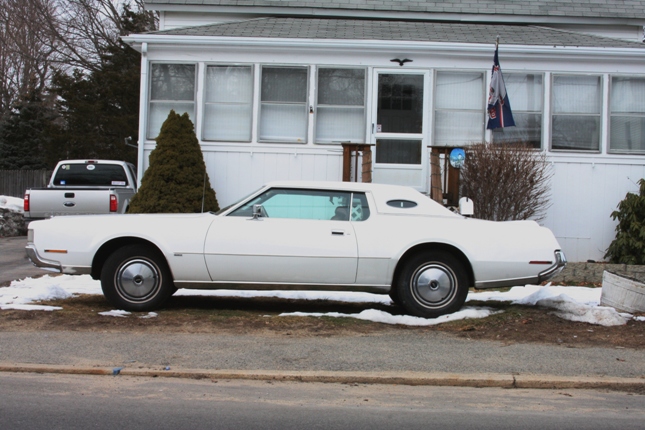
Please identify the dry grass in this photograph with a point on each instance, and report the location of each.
(200, 314)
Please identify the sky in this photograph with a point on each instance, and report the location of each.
(570, 303)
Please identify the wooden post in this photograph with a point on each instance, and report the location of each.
(453, 186)
(367, 164)
(436, 190)
(347, 166)
(352, 150)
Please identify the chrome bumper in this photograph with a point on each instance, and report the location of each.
(560, 263)
(38, 261)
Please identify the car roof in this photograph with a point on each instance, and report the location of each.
(336, 185)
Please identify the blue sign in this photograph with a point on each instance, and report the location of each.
(457, 157)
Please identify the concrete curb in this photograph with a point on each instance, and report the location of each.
(476, 380)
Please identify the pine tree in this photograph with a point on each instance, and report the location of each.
(176, 180)
(24, 132)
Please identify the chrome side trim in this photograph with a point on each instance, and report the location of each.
(501, 283)
(76, 270)
(38, 261)
(197, 285)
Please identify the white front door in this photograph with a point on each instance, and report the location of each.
(399, 128)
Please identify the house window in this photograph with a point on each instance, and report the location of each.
(575, 122)
(525, 96)
(228, 103)
(627, 115)
(340, 105)
(459, 108)
(172, 86)
(283, 104)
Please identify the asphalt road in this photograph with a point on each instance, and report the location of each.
(107, 402)
(14, 263)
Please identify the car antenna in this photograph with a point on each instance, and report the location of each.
(204, 191)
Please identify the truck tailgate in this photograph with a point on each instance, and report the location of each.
(44, 203)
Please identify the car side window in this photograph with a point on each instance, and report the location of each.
(360, 208)
(300, 204)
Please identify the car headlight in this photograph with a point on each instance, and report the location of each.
(30, 236)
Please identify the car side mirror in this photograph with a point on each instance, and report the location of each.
(258, 211)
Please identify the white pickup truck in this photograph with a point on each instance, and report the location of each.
(81, 187)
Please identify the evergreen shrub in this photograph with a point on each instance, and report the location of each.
(629, 245)
(176, 179)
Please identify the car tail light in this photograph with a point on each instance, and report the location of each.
(113, 203)
(25, 205)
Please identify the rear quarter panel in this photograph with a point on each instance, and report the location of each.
(179, 237)
(495, 250)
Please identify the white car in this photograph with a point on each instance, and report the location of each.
(302, 235)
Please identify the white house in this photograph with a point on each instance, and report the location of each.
(274, 86)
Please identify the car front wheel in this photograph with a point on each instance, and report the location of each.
(136, 278)
(432, 284)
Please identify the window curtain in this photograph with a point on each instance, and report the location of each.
(172, 86)
(228, 103)
(576, 109)
(340, 109)
(627, 114)
(459, 108)
(283, 107)
(525, 93)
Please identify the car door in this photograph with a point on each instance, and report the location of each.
(303, 237)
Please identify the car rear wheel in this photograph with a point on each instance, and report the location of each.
(136, 278)
(432, 284)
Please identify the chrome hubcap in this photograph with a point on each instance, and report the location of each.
(137, 280)
(434, 285)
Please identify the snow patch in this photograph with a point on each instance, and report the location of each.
(121, 314)
(13, 204)
(387, 318)
(572, 303)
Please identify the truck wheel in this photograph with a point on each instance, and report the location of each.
(432, 284)
(136, 278)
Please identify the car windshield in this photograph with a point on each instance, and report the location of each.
(236, 202)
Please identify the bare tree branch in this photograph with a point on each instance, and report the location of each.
(506, 181)
(38, 36)
(26, 52)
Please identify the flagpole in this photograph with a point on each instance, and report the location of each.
(491, 134)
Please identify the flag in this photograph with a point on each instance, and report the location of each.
(499, 107)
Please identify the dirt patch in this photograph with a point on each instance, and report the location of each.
(200, 314)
